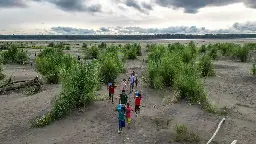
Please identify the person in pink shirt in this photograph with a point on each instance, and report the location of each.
(128, 114)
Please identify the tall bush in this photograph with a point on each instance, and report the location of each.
(205, 66)
(15, 55)
(189, 86)
(242, 53)
(79, 83)
(48, 64)
(111, 66)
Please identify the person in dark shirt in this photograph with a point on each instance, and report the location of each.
(123, 98)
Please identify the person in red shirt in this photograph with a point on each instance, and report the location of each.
(137, 98)
(128, 114)
(111, 90)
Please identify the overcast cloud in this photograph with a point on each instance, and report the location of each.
(127, 16)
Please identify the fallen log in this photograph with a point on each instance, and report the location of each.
(216, 131)
(234, 142)
(16, 86)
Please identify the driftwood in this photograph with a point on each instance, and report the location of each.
(234, 142)
(216, 131)
(10, 86)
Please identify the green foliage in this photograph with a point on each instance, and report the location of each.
(1, 72)
(203, 49)
(92, 53)
(84, 46)
(102, 45)
(67, 47)
(111, 65)
(251, 46)
(14, 55)
(176, 66)
(51, 44)
(184, 135)
(242, 53)
(79, 83)
(49, 62)
(205, 66)
(189, 86)
(130, 51)
(213, 52)
(254, 69)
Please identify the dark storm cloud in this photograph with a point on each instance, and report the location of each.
(192, 6)
(147, 6)
(248, 27)
(12, 3)
(134, 4)
(73, 5)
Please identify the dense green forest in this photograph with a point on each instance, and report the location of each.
(125, 37)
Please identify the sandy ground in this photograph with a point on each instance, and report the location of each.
(233, 87)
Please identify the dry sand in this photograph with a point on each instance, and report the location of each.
(233, 87)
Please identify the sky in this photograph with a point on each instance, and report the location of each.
(127, 16)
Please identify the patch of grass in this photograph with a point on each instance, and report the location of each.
(184, 135)
(31, 90)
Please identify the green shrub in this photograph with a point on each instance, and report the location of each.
(184, 135)
(84, 46)
(111, 66)
(213, 53)
(138, 49)
(79, 83)
(203, 49)
(254, 69)
(51, 44)
(193, 48)
(67, 47)
(130, 51)
(48, 64)
(242, 53)
(187, 55)
(1, 72)
(205, 66)
(189, 86)
(92, 53)
(251, 46)
(102, 45)
(14, 55)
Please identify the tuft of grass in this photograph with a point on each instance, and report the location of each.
(184, 135)
(31, 90)
(254, 69)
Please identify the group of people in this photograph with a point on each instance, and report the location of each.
(124, 108)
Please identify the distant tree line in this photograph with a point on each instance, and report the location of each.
(125, 37)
